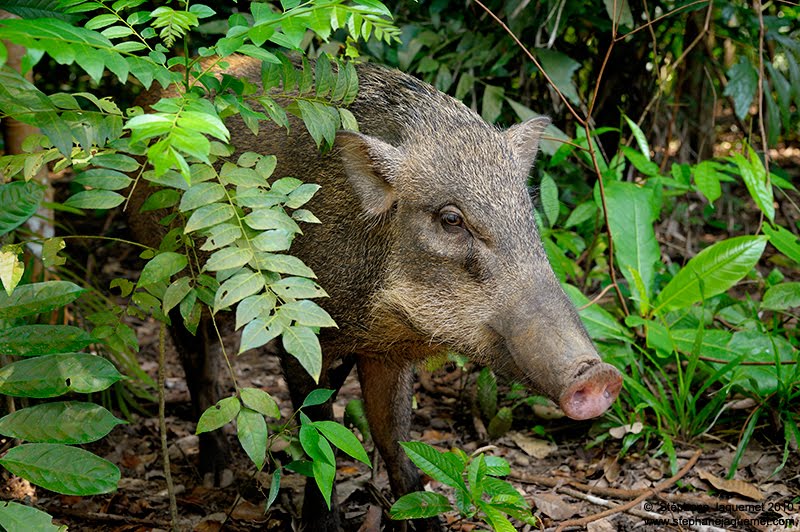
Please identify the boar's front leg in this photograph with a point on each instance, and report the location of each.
(315, 514)
(200, 365)
(387, 389)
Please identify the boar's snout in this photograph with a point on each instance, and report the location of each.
(593, 390)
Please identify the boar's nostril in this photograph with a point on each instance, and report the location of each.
(592, 392)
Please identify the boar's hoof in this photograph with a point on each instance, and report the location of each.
(593, 391)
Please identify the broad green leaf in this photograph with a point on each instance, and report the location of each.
(61, 468)
(252, 307)
(714, 343)
(16, 516)
(707, 180)
(54, 375)
(36, 298)
(435, 464)
(496, 466)
(712, 271)
(220, 236)
(95, 199)
(18, 202)
(301, 195)
(103, 178)
(237, 288)
(274, 488)
(317, 397)
(784, 241)
(162, 267)
(251, 429)
(284, 264)
(548, 196)
(307, 313)
(228, 258)
(343, 439)
(493, 97)
(261, 402)
(580, 214)
(297, 288)
(324, 475)
(599, 323)
(219, 415)
(201, 194)
(175, 293)
(494, 517)
(303, 344)
(560, 68)
(420, 505)
(742, 85)
(29, 340)
(487, 393)
(640, 161)
(69, 422)
(11, 269)
(273, 240)
(264, 219)
(630, 219)
(783, 296)
(754, 176)
(257, 333)
(209, 215)
(161, 199)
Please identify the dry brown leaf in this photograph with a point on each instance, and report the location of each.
(372, 521)
(249, 511)
(601, 525)
(533, 446)
(554, 506)
(619, 432)
(611, 470)
(550, 411)
(740, 487)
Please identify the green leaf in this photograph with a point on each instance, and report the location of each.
(487, 393)
(69, 422)
(435, 464)
(619, 12)
(494, 517)
(251, 429)
(307, 313)
(95, 199)
(273, 240)
(18, 202)
(640, 162)
(638, 134)
(782, 296)
(264, 219)
(343, 439)
(162, 267)
(712, 271)
(548, 195)
(219, 415)
(317, 397)
(599, 323)
(324, 475)
(30, 340)
(303, 344)
(274, 487)
(175, 293)
(560, 68)
(201, 194)
(297, 288)
(15, 516)
(707, 180)
(261, 402)
(54, 375)
(37, 298)
(754, 176)
(161, 199)
(493, 97)
(301, 195)
(580, 214)
(631, 217)
(284, 264)
(103, 178)
(237, 288)
(420, 505)
(257, 333)
(63, 469)
(220, 236)
(742, 85)
(228, 258)
(496, 466)
(784, 241)
(209, 215)
(11, 268)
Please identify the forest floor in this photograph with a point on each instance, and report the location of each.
(562, 475)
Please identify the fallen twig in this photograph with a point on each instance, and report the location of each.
(628, 505)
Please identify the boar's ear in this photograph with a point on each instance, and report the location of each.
(525, 137)
(371, 166)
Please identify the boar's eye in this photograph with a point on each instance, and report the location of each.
(451, 218)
